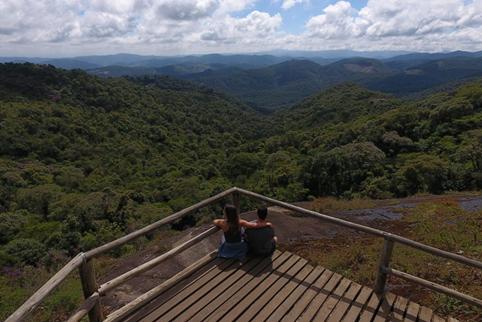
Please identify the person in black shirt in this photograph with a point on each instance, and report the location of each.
(261, 241)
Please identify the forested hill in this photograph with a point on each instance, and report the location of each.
(80, 155)
(286, 83)
(339, 104)
(84, 160)
(380, 146)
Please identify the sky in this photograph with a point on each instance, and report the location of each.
(61, 28)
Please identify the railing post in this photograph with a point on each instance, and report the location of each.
(236, 202)
(89, 286)
(384, 263)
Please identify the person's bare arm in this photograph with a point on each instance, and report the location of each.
(218, 222)
(251, 224)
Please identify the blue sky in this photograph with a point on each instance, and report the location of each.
(52, 28)
(295, 17)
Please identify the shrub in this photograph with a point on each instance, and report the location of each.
(25, 251)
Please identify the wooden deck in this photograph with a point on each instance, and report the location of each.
(282, 288)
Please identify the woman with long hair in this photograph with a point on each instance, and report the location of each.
(233, 245)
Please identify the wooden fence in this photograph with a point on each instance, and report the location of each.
(93, 292)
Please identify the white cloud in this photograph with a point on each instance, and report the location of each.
(408, 24)
(69, 27)
(254, 27)
(288, 4)
(139, 23)
(338, 20)
(187, 9)
(227, 6)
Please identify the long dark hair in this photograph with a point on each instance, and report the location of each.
(232, 217)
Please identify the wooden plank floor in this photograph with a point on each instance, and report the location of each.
(281, 288)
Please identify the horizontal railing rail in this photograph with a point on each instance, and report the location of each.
(93, 292)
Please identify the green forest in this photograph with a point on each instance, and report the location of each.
(84, 160)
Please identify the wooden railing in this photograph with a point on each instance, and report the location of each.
(93, 292)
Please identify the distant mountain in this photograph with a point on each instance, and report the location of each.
(151, 61)
(119, 71)
(269, 87)
(414, 59)
(337, 54)
(428, 75)
(188, 68)
(177, 70)
(246, 61)
(33, 60)
(65, 63)
(289, 82)
(116, 59)
(282, 78)
(436, 56)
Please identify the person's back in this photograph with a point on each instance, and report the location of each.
(261, 241)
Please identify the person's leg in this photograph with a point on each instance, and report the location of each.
(222, 251)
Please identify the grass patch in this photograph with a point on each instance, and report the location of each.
(16, 286)
(442, 224)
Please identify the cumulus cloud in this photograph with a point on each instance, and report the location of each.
(60, 27)
(337, 21)
(255, 26)
(385, 18)
(140, 23)
(187, 9)
(288, 4)
(428, 24)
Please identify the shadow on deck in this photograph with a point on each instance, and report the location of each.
(281, 288)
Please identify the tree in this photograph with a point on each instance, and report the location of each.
(243, 164)
(392, 143)
(10, 225)
(423, 173)
(345, 168)
(26, 251)
(39, 199)
(281, 170)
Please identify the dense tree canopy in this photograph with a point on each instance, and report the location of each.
(84, 160)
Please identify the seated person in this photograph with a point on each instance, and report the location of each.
(232, 244)
(261, 241)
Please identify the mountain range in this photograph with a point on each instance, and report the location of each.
(270, 81)
(288, 82)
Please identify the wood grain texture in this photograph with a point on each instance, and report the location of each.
(281, 288)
